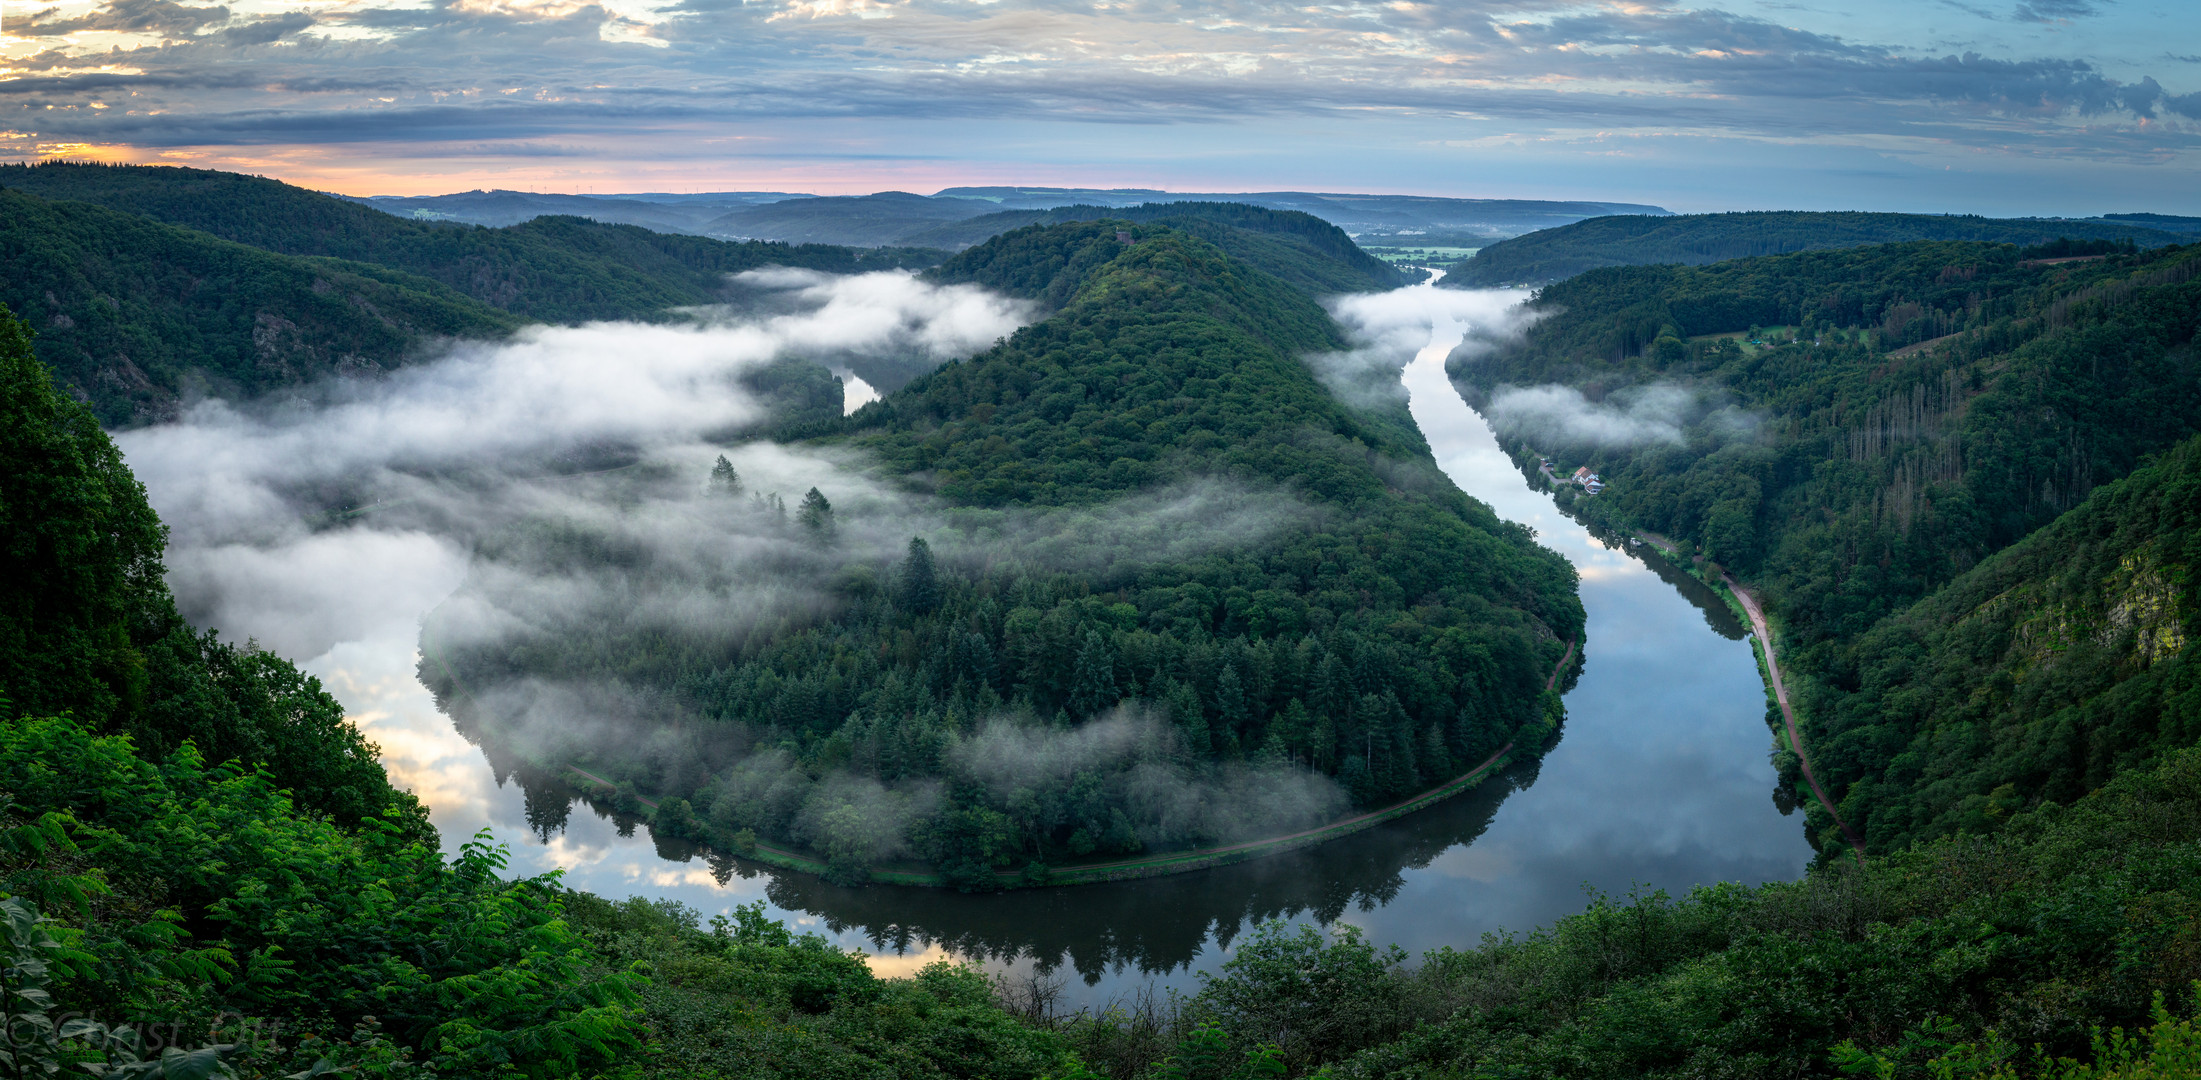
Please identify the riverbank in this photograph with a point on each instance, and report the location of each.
(1177, 862)
(1766, 655)
(1746, 604)
(1739, 599)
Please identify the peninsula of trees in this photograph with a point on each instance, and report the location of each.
(1378, 627)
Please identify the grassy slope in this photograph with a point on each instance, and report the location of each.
(132, 313)
(1695, 239)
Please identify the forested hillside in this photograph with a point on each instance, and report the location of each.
(556, 269)
(262, 923)
(134, 314)
(2040, 674)
(1696, 239)
(1914, 409)
(140, 303)
(1303, 250)
(205, 872)
(886, 217)
(1161, 537)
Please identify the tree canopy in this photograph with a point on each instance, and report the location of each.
(1860, 432)
(1355, 616)
(1556, 254)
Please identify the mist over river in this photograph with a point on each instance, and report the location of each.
(1661, 779)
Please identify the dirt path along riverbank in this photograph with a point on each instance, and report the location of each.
(1758, 625)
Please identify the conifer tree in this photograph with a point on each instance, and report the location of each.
(816, 514)
(1333, 689)
(1230, 702)
(920, 580)
(1296, 729)
(1191, 720)
(724, 480)
(1093, 687)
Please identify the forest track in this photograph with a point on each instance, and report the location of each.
(1751, 608)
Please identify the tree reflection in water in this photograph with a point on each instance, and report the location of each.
(1152, 926)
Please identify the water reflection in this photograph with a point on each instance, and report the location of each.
(1661, 778)
(1151, 927)
(855, 392)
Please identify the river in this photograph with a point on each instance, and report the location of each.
(1661, 780)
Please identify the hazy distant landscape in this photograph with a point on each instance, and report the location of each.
(887, 538)
(958, 217)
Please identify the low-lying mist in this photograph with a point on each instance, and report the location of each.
(1654, 414)
(575, 486)
(358, 502)
(1550, 415)
(1387, 329)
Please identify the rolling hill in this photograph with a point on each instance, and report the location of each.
(133, 315)
(554, 269)
(1555, 254)
(1312, 255)
(1339, 604)
(656, 211)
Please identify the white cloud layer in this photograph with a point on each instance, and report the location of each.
(1388, 328)
(354, 508)
(1561, 414)
(1661, 413)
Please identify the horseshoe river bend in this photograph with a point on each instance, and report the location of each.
(1661, 780)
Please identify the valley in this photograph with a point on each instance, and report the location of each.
(581, 650)
(1669, 714)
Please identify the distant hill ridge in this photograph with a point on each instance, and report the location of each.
(151, 282)
(1696, 239)
(133, 314)
(1350, 211)
(656, 211)
(1309, 253)
(900, 217)
(558, 269)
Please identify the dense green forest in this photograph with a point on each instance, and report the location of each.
(1148, 501)
(134, 314)
(205, 872)
(152, 284)
(2054, 665)
(552, 269)
(187, 913)
(1695, 239)
(140, 303)
(1303, 250)
(203, 864)
(1913, 410)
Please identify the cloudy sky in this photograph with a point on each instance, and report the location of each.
(1997, 106)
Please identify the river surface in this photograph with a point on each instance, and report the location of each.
(1661, 780)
